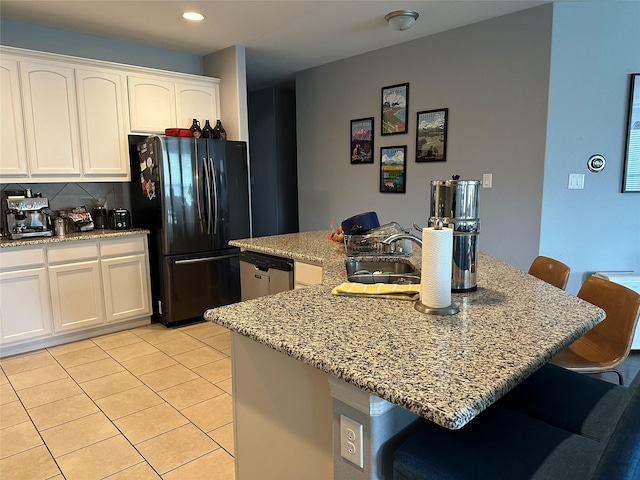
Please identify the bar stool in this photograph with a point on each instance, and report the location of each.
(551, 271)
(524, 440)
(607, 345)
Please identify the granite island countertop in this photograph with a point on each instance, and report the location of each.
(446, 369)
(72, 237)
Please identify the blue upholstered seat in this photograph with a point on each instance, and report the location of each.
(559, 425)
(550, 395)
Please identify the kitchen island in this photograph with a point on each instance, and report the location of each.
(446, 369)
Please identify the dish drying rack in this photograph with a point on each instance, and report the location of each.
(370, 243)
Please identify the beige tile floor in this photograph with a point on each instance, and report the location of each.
(145, 403)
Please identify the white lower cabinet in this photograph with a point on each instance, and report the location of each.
(76, 295)
(305, 274)
(25, 311)
(71, 290)
(76, 291)
(125, 276)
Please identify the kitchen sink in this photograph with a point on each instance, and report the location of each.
(379, 271)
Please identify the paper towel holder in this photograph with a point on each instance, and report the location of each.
(421, 307)
(450, 310)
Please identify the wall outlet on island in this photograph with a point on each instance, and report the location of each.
(351, 441)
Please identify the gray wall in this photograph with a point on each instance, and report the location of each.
(597, 228)
(53, 40)
(230, 65)
(493, 77)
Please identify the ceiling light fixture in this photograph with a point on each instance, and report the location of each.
(401, 19)
(193, 16)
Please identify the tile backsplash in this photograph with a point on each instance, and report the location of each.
(65, 196)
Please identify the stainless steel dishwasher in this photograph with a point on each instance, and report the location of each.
(262, 274)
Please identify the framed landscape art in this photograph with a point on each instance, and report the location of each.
(362, 140)
(395, 105)
(393, 169)
(431, 136)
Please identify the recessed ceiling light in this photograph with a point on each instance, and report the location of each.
(194, 16)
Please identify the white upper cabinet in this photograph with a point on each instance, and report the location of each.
(156, 104)
(102, 114)
(12, 149)
(50, 118)
(197, 100)
(152, 104)
(67, 119)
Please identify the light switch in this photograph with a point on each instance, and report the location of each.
(576, 181)
(487, 180)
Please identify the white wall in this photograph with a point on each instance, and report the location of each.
(596, 45)
(493, 77)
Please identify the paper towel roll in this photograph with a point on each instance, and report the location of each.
(437, 255)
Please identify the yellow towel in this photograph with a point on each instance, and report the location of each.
(380, 290)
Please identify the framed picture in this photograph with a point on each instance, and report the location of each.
(362, 140)
(631, 173)
(393, 169)
(431, 136)
(395, 105)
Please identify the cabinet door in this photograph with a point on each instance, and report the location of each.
(305, 274)
(103, 132)
(76, 295)
(50, 117)
(197, 100)
(152, 104)
(13, 150)
(126, 287)
(25, 310)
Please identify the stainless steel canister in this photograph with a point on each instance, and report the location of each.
(456, 203)
(59, 226)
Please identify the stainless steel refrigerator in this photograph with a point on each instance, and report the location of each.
(192, 194)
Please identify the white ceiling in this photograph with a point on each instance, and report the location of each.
(281, 37)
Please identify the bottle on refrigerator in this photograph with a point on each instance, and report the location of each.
(219, 132)
(195, 128)
(207, 130)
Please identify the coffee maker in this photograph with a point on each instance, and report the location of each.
(26, 217)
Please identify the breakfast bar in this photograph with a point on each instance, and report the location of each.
(446, 369)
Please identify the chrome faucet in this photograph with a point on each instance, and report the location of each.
(400, 236)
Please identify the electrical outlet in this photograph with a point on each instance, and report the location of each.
(351, 441)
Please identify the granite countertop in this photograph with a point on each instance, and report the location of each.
(72, 237)
(446, 369)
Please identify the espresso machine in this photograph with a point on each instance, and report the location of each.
(456, 203)
(26, 217)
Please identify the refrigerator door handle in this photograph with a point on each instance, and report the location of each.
(215, 197)
(205, 259)
(197, 184)
(207, 189)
